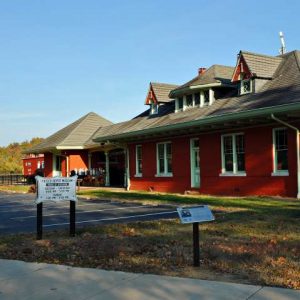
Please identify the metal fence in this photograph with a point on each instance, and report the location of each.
(13, 179)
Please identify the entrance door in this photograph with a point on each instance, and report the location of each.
(56, 165)
(195, 163)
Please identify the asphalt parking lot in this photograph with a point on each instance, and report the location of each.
(18, 213)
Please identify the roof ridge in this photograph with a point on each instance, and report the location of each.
(259, 54)
(152, 82)
(80, 120)
(218, 65)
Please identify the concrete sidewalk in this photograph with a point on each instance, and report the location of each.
(20, 280)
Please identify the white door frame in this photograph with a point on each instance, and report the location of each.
(54, 171)
(192, 163)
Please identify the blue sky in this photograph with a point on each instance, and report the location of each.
(61, 59)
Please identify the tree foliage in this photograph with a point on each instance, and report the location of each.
(11, 156)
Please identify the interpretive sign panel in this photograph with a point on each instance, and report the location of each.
(56, 189)
(195, 214)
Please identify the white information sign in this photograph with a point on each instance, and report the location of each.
(195, 214)
(56, 189)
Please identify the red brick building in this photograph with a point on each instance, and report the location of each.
(72, 149)
(228, 131)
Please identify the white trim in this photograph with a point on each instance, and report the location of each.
(277, 172)
(137, 173)
(235, 171)
(127, 169)
(192, 163)
(70, 147)
(231, 174)
(166, 173)
(282, 173)
(211, 96)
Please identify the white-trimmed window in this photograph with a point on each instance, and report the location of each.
(153, 108)
(179, 103)
(245, 85)
(233, 154)
(189, 101)
(280, 151)
(164, 159)
(197, 99)
(138, 160)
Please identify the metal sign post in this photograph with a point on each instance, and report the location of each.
(55, 189)
(195, 215)
(39, 221)
(196, 244)
(72, 217)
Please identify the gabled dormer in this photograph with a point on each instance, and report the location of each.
(210, 85)
(158, 96)
(253, 70)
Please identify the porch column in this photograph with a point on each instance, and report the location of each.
(127, 173)
(89, 161)
(67, 166)
(107, 183)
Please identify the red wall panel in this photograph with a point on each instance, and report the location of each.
(48, 164)
(258, 164)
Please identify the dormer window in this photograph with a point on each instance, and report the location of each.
(197, 99)
(189, 101)
(180, 103)
(154, 109)
(246, 86)
(206, 97)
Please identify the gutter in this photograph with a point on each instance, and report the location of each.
(205, 121)
(297, 150)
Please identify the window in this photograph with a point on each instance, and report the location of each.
(233, 154)
(38, 164)
(153, 109)
(280, 146)
(245, 85)
(43, 164)
(206, 97)
(189, 101)
(58, 163)
(138, 160)
(164, 159)
(197, 98)
(180, 103)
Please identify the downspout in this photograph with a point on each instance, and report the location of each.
(297, 150)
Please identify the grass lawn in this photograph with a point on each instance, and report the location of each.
(15, 188)
(253, 240)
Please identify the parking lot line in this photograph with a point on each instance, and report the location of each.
(85, 211)
(112, 219)
(33, 205)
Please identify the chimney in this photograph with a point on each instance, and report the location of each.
(201, 70)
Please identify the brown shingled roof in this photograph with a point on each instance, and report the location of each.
(77, 134)
(214, 74)
(283, 90)
(162, 91)
(263, 66)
